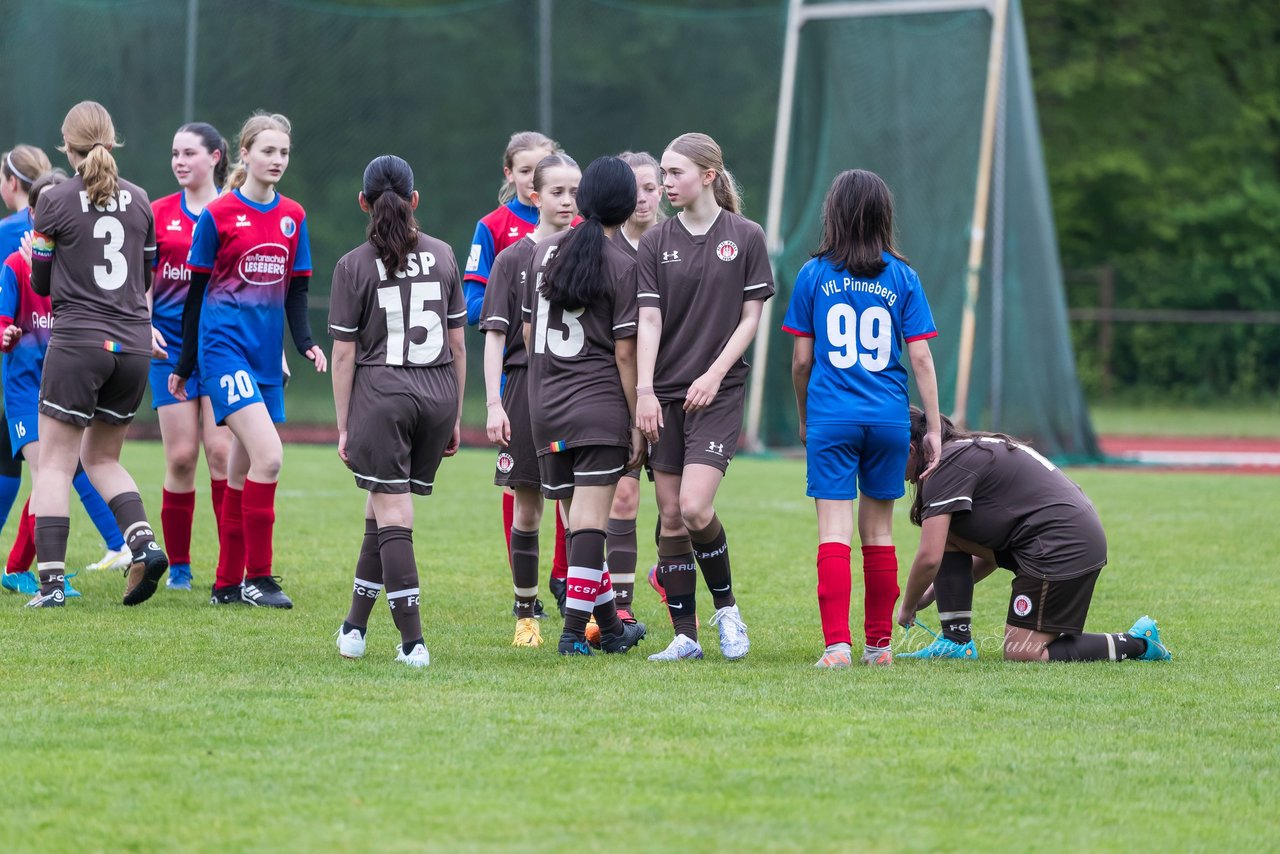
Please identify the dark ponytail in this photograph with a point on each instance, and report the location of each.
(950, 433)
(606, 197)
(212, 141)
(393, 230)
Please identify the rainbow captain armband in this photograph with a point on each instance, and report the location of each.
(557, 447)
(111, 346)
(41, 247)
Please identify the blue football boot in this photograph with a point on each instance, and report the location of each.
(943, 648)
(1147, 629)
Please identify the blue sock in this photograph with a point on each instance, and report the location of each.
(9, 487)
(103, 519)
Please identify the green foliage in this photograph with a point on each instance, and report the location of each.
(1161, 127)
(178, 726)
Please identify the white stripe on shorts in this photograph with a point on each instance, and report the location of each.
(380, 480)
(594, 473)
(52, 405)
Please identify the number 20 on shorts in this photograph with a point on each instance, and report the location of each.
(237, 385)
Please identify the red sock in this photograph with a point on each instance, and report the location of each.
(880, 572)
(560, 564)
(177, 509)
(24, 542)
(508, 518)
(230, 570)
(835, 586)
(218, 492)
(259, 523)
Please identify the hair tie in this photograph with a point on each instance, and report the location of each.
(8, 158)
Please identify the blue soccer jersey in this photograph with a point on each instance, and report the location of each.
(33, 314)
(251, 251)
(12, 228)
(859, 326)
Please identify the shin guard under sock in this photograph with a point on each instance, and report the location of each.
(953, 589)
(835, 587)
(259, 515)
(880, 574)
(560, 562)
(368, 582)
(524, 570)
(620, 554)
(678, 575)
(177, 510)
(585, 574)
(712, 553)
(51, 552)
(24, 543)
(1094, 647)
(400, 574)
(99, 513)
(230, 571)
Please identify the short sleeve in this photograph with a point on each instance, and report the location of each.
(457, 307)
(526, 287)
(8, 291)
(799, 319)
(480, 258)
(647, 293)
(345, 309)
(149, 248)
(949, 489)
(302, 255)
(204, 244)
(917, 319)
(626, 313)
(759, 272)
(495, 311)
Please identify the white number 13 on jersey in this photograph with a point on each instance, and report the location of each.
(425, 352)
(873, 331)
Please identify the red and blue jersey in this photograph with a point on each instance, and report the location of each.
(174, 226)
(250, 252)
(33, 314)
(858, 325)
(496, 231)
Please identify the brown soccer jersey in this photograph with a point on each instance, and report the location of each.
(398, 318)
(503, 295)
(575, 392)
(101, 260)
(700, 283)
(1011, 499)
(624, 244)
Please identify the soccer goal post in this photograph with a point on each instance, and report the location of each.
(921, 92)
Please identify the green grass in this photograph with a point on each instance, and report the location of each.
(178, 726)
(1224, 420)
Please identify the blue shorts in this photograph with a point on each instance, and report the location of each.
(231, 386)
(24, 428)
(845, 458)
(160, 370)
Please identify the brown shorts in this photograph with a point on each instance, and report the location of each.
(83, 384)
(589, 465)
(709, 437)
(400, 423)
(517, 464)
(1043, 605)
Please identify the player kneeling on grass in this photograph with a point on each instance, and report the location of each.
(580, 315)
(992, 502)
(397, 390)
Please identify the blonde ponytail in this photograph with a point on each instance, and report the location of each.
(90, 134)
(704, 153)
(253, 126)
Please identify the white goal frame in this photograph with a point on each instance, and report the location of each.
(798, 15)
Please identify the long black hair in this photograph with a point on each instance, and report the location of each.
(857, 224)
(393, 229)
(606, 197)
(950, 433)
(212, 141)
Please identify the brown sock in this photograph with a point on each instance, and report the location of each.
(132, 519)
(620, 551)
(400, 573)
(712, 551)
(678, 575)
(368, 581)
(51, 553)
(524, 570)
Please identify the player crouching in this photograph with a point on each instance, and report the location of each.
(992, 502)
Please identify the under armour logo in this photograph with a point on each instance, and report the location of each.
(716, 448)
(671, 257)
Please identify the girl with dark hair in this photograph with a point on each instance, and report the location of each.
(993, 502)
(250, 263)
(579, 312)
(555, 187)
(199, 162)
(506, 225)
(703, 276)
(397, 389)
(91, 252)
(853, 307)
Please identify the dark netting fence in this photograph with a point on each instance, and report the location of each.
(444, 84)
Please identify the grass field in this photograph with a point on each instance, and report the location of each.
(178, 726)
